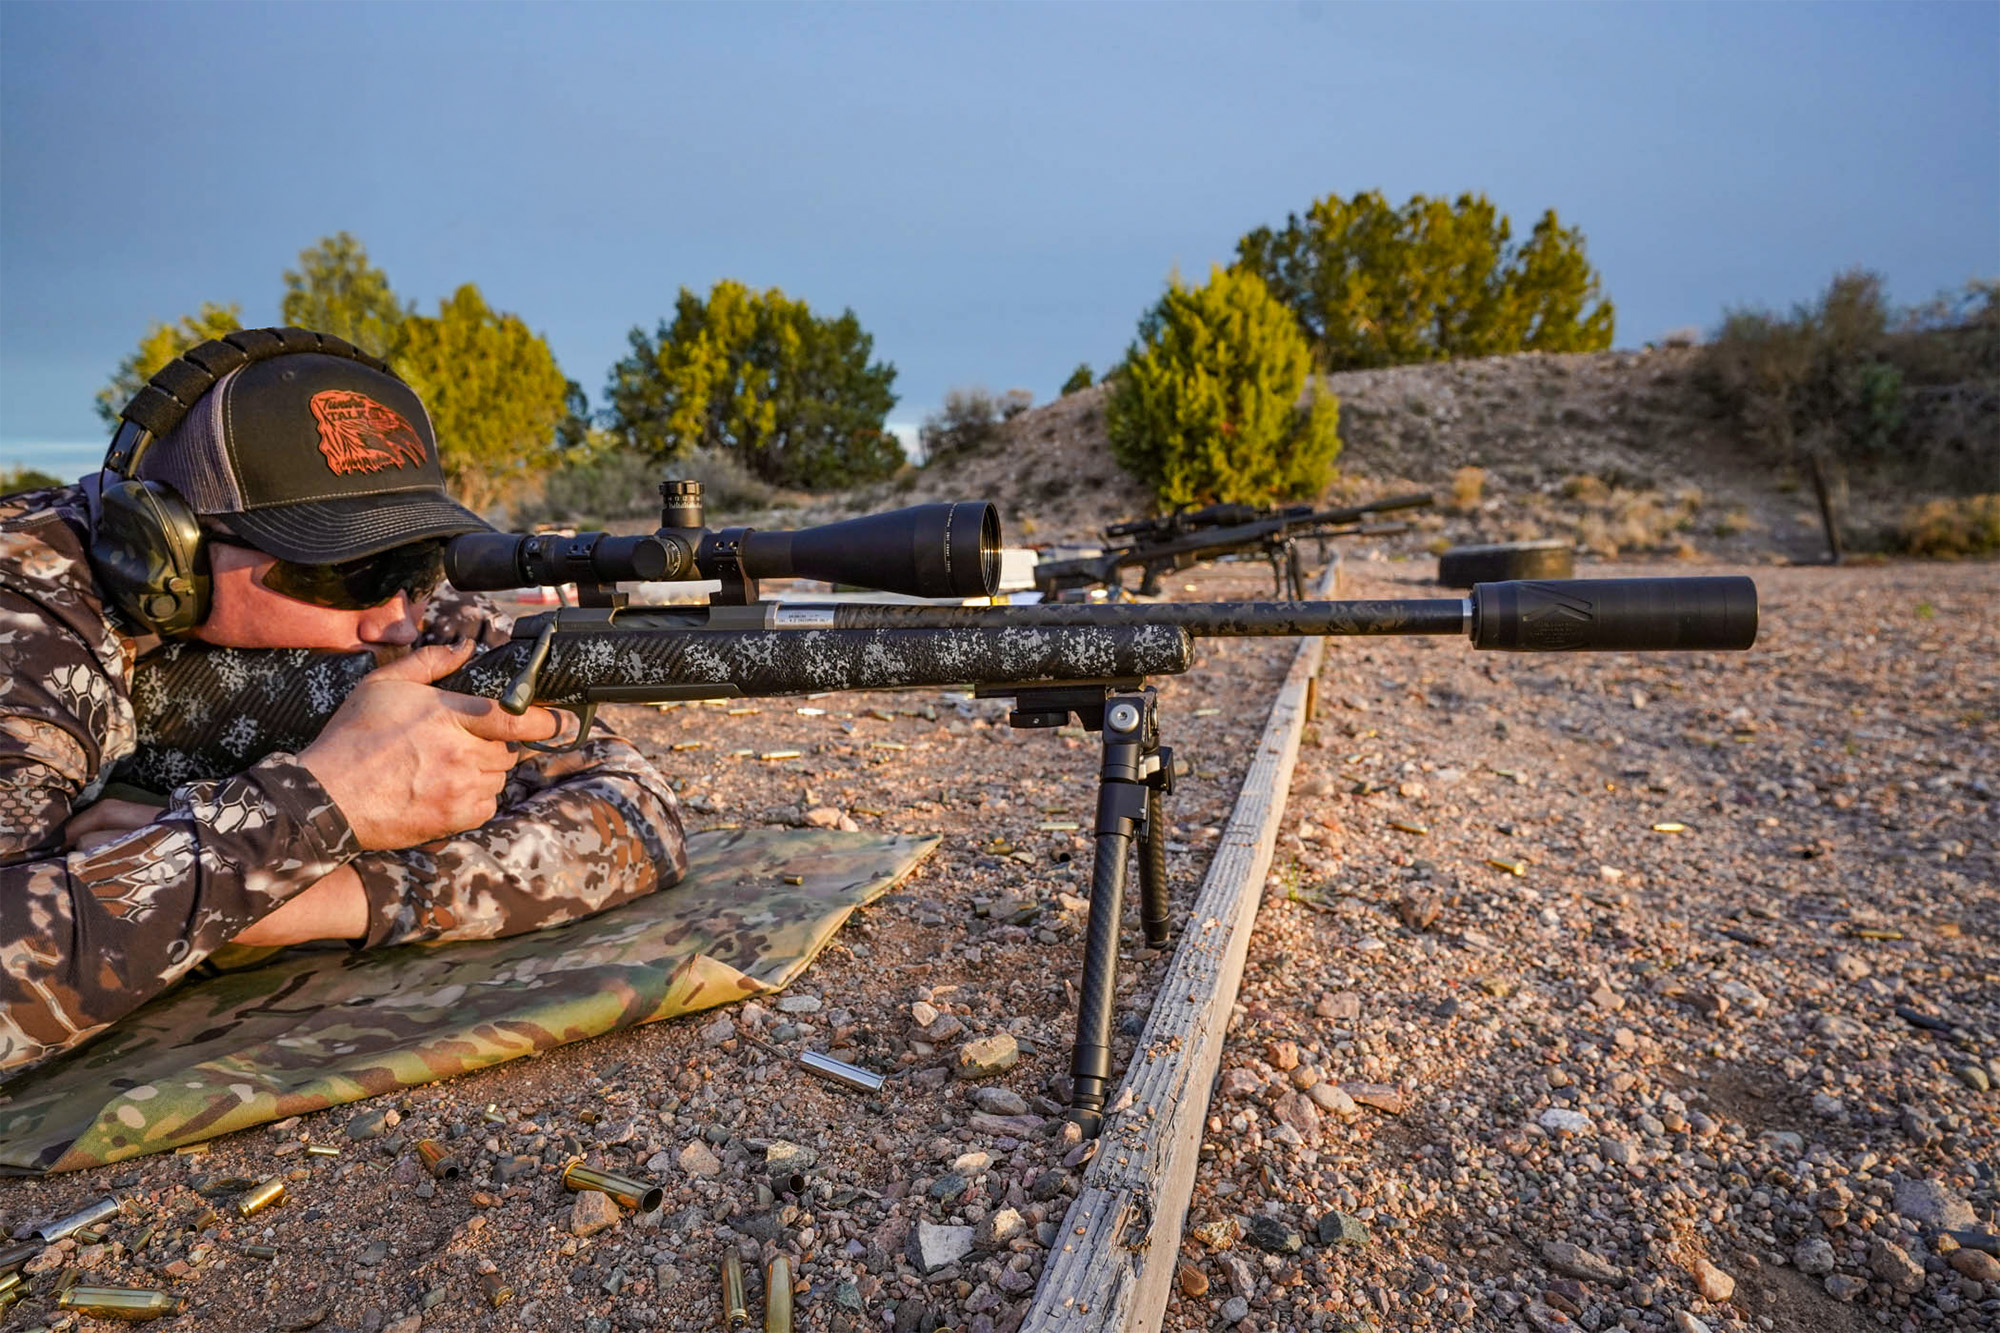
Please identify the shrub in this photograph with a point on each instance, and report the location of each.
(968, 422)
(1217, 401)
(1079, 380)
(1468, 486)
(14, 480)
(609, 484)
(1014, 402)
(1375, 285)
(1953, 529)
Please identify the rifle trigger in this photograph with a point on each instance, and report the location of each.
(521, 690)
(584, 717)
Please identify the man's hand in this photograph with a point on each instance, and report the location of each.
(107, 821)
(408, 763)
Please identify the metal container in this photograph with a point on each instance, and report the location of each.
(841, 1072)
(735, 1307)
(100, 1211)
(131, 1304)
(778, 1295)
(266, 1194)
(632, 1193)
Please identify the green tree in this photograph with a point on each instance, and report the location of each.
(496, 397)
(335, 290)
(1079, 380)
(1374, 285)
(162, 343)
(1217, 401)
(756, 375)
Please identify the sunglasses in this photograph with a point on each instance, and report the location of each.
(356, 585)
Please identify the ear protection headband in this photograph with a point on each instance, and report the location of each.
(147, 547)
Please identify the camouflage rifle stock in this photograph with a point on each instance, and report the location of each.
(1186, 537)
(205, 711)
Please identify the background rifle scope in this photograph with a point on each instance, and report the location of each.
(933, 550)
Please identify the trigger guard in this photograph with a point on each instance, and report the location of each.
(585, 715)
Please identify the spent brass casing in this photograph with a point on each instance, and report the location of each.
(9, 1282)
(106, 1207)
(14, 1256)
(261, 1251)
(735, 1307)
(841, 1072)
(632, 1193)
(131, 1304)
(266, 1194)
(778, 1295)
(497, 1290)
(436, 1160)
(9, 1299)
(322, 1150)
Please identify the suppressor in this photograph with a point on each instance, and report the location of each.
(632, 1193)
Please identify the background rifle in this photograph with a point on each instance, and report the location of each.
(1173, 542)
(205, 711)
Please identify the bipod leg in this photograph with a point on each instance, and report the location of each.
(1131, 755)
(1295, 570)
(1153, 873)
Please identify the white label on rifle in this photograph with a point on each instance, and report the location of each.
(804, 617)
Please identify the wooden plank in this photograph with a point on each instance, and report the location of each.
(1112, 1265)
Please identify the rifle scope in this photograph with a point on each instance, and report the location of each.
(933, 550)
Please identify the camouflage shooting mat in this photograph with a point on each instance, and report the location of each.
(316, 1028)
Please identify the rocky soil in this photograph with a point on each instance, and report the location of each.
(1629, 992)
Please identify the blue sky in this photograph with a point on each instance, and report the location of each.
(998, 191)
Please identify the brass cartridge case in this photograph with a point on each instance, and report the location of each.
(735, 1307)
(104, 1208)
(322, 1150)
(497, 1290)
(436, 1160)
(9, 1283)
(270, 1192)
(632, 1193)
(261, 1251)
(778, 1295)
(131, 1304)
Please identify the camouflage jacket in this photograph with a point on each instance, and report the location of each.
(88, 936)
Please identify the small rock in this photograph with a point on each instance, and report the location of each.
(800, 1004)
(1269, 1234)
(1303, 1076)
(986, 1056)
(1242, 1277)
(998, 1228)
(367, 1125)
(1844, 1288)
(1283, 1055)
(591, 1213)
(999, 1101)
(1577, 1262)
(1607, 999)
(1930, 1203)
(1893, 1264)
(1241, 1082)
(409, 1323)
(823, 816)
(1558, 1120)
(923, 1013)
(1813, 1256)
(697, 1160)
(933, 1246)
(1332, 1100)
(1339, 1007)
(1298, 1111)
(1975, 1264)
(721, 1030)
(1419, 911)
(1972, 1076)
(1217, 1235)
(1340, 1229)
(376, 1252)
(1687, 1323)
(1192, 1280)
(1713, 1284)
(1381, 1096)
(784, 1158)
(1849, 967)
(1235, 1310)
(949, 1027)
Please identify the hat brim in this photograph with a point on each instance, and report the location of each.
(326, 532)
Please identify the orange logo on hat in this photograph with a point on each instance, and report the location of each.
(358, 434)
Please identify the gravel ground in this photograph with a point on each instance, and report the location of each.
(1655, 992)
(929, 1206)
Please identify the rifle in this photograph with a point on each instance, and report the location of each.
(205, 711)
(1173, 542)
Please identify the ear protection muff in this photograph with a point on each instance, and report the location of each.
(147, 547)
